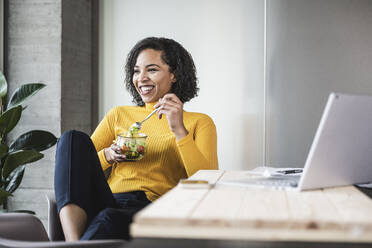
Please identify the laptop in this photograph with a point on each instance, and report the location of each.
(341, 152)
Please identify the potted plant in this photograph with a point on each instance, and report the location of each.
(27, 147)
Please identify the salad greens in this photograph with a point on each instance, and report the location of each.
(132, 144)
(133, 130)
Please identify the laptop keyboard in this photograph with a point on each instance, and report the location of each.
(276, 182)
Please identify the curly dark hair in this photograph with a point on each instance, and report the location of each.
(176, 57)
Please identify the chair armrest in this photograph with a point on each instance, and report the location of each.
(20, 226)
(61, 244)
(55, 231)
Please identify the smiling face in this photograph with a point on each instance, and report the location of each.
(151, 76)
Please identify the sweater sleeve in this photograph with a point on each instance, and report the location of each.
(103, 136)
(199, 149)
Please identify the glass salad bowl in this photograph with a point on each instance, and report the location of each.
(133, 146)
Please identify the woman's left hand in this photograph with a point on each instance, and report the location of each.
(172, 107)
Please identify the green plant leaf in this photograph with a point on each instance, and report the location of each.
(3, 150)
(36, 139)
(15, 179)
(24, 92)
(15, 159)
(9, 119)
(3, 195)
(3, 86)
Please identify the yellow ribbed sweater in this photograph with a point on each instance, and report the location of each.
(166, 160)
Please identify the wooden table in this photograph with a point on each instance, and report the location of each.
(342, 214)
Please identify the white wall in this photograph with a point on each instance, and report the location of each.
(314, 47)
(226, 40)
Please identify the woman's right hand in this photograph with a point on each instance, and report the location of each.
(113, 154)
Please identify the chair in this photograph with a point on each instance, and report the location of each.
(55, 231)
(26, 230)
(60, 244)
(20, 226)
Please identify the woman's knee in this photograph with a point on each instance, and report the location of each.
(71, 135)
(71, 146)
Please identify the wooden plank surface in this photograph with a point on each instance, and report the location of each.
(264, 209)
(212, 176)
(312, 210)
(350, 203)
(174, 207)
(232, 212)
(218, 208)
(177, 205)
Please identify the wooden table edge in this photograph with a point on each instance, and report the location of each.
(218, 233)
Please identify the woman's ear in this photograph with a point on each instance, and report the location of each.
(173, 78)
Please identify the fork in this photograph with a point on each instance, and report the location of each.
(139, 124)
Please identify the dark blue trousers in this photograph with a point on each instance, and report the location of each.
(79, 179)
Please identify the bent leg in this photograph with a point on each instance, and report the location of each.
(110, 223)
(79, 182)
(73, 221)
(113, 223)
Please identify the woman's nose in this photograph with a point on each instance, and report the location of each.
(143, 76)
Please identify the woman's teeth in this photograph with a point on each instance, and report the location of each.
(146, 89)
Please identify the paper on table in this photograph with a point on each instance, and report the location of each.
(271, 171)
(365, 185)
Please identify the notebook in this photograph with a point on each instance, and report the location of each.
(340, 154)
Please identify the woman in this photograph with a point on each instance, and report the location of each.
(160, 73)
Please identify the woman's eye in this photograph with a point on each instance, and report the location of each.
(135, 71)
(153, 69)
